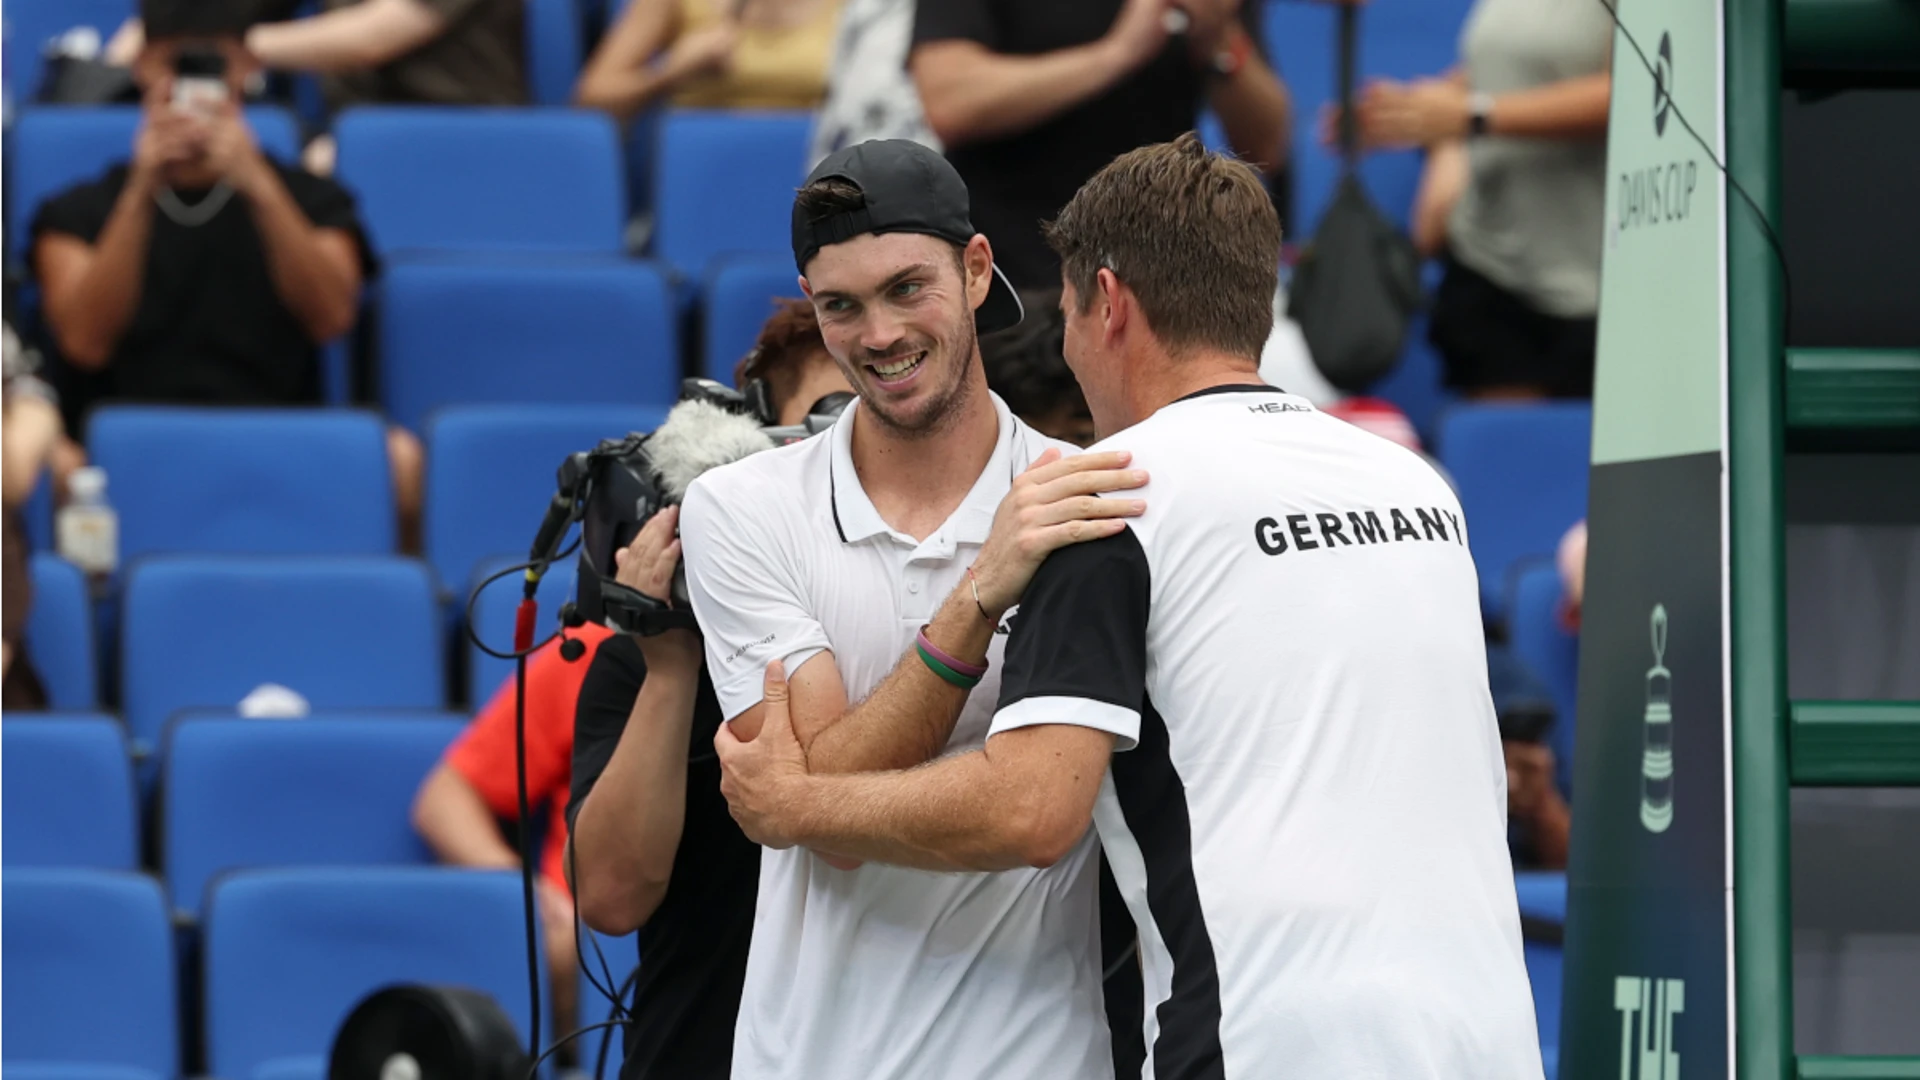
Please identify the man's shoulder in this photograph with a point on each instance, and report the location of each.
(82, 209)
(1030, 443)
(771, 482)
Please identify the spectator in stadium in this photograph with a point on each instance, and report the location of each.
(1027, 368)
(1031, 100)
(200, 271)
(1513, 194)
(713, 54)
(869, 93)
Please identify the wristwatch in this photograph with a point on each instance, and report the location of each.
(1479, 112)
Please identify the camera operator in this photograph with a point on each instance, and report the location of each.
(654, 848)
(876, 562)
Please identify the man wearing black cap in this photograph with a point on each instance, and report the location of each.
(876, 564)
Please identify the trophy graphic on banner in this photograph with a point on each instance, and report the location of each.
(1656, 756)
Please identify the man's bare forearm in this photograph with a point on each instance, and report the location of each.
(1254, 108)
(457, 824)
(627, 831)
(90, 316)
(909, 717)
(950, 815)
(971, 94)
(319, 292)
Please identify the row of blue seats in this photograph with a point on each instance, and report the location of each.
(201, 632)
(489, 181)
(317, 482)
(94, 984)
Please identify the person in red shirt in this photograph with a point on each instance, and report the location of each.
(475, 787)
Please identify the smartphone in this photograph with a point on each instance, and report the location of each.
(199, 80)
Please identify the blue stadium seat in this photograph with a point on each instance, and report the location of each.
(1543, 895)
(248, 481)
(33, 24)
(290, 952)
(484, 180)
(554, 36)
(620, 955)
(1521, 471)
(493, 616)
(89, 964)
(491, 471)
(256, 793)
(60, 634)
(1541, 643)
(56, 147)
(740, 295)
(68, 793)
(489, 332)
(344, 632)
(38, 513)
(724, 183)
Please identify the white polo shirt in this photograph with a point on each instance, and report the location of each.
(1307, 809)
(883, 973)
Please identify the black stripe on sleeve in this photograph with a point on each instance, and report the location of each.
(1154, 802)
(1081, 628)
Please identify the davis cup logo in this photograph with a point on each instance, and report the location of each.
(1656, 755)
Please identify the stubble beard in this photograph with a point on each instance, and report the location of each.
(944, 409)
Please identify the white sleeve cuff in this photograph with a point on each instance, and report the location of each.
(749, 688)
(1122, 723)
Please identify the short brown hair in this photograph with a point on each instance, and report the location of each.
(832, 195)
(1193, 234)
(828, 196)
(788, 337)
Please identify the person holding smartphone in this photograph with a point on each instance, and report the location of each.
(200, 270)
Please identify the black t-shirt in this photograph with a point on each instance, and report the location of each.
(1021, 180)
(210, 328)
(695, 946)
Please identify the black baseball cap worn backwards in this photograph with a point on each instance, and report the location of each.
(908, 189)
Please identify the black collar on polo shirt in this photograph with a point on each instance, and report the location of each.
(1230, 388)
(855, 518)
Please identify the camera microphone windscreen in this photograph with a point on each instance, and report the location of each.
(697, 436)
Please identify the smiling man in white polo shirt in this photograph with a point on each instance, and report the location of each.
(1269, 693)
(876, 563)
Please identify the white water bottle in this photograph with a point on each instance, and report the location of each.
(87, 530)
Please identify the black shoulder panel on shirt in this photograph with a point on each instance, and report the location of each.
(1081, 628)
(1153, 799)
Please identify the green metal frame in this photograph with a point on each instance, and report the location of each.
(1763, 972)
(1856, 744)
(1859, 1068)
(1853, 40)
